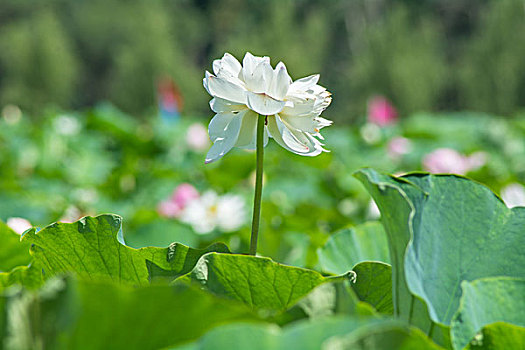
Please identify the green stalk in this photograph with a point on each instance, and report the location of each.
(412, 300)
(431, 330)
(258, 184)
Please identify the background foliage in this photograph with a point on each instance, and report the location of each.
(102, 160)
(425, 55)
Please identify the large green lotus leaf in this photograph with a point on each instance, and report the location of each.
(499, 336)
(302, 335)
(391, 335)
(333, 298)
(93, 248)
(374, 285)
(258, 282)
(83, 314)
(486, 301)
(457, 230)
(28, 276)
(13, 252)
(350, 246)
(462, 231)
(396, 217)
(324, 333)
(176, 260)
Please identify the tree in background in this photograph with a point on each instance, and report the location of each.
(492, 69)
(37, 64)
(422, 55)
(401, 57)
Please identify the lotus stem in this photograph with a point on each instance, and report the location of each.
(412, 300)
(431, 329)
(258, 184)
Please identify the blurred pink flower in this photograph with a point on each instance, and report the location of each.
(182, 195)
(168, 209)
(447, 160)
(197, 137)
(381, 112)
(398, 147)
(476, 160)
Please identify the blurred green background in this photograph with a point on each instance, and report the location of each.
(423, 55)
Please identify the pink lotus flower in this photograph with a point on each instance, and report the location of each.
(182, 195)
(197, 137)
(381, 112)
(398, 147)
(447, 160)
(168, 209)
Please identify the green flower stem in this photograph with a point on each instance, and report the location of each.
(258, 184)
(431, 330)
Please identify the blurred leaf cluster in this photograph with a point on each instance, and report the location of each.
(69, 164)
(426, 55)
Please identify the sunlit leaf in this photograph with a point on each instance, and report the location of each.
(458, 230)
(350, 246)
(256, 281)
(13, 252)
(374, 285)
(92, 248)
(486, 301)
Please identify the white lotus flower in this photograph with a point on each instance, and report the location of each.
(19, 225)
(513, 195)
(241, 93)
(210, 211)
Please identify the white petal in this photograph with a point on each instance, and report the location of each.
(296, 142)
(223, 145)
(231, 63)
(308, 122)
(250, 62)
(269, 76)
(304, 84)
(307, 103)
(217, 66)
(255, 81)
(205, 82)
(300, 108)
(228, 64)
(218, 124)
(317, 90)
(248, 134)
(262, 104)
(301, 143)
(219, 87)
(280, 83)
(219, 105)
(323, 122)
(228, 68)
(305, 124)
(276, 133)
